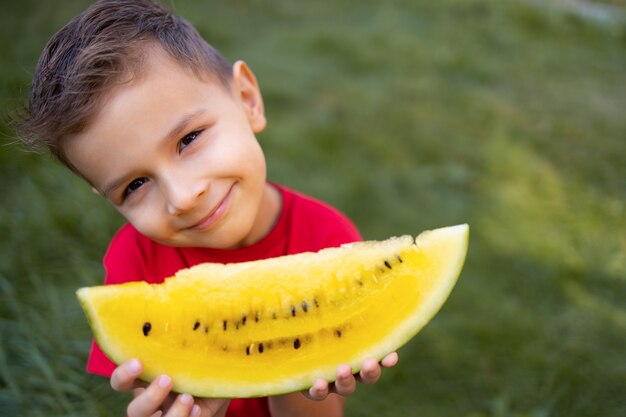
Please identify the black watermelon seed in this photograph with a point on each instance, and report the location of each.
(196, 325)
(387, 264)
(146, 328)
(296, 344)
(244, 319)
(305, 307)
(399, 259)
(247, 350)
(293, 311)
(224, 325)
(256, 317)
(206, 329)
(260, 347)
(338, 333)
(315, 302)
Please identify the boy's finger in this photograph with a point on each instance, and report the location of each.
(345, 384)
(370, 372)
(182, 407)
(124, 377)
(390, 360)
(151, 399)
(319, 390)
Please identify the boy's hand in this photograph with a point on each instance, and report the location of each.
(157, 396)
(345, 383)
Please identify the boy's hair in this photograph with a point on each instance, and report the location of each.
(101, 48)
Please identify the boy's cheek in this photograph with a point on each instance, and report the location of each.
(144, 221)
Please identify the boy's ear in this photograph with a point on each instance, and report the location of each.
(247, 88)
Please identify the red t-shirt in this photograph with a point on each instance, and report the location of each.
(305, 224)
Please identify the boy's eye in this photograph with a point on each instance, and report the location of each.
(187, 139)
(134, 185)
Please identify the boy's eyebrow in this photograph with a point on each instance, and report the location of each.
(179, 127)
(175, 131)
(107, 189)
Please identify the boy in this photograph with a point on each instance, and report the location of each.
(133, 100)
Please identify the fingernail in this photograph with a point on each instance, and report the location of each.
(186, 399)
(164, 381)
(318, 387)
(134, 366)
(195, 410)
(344, 372)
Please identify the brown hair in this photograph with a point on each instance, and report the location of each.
(103, 47)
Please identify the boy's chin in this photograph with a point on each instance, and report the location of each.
(232, 241)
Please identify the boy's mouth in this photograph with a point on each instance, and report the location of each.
(214, 215)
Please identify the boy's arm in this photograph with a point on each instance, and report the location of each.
(296, 404)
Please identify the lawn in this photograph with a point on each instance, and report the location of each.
(407, 115)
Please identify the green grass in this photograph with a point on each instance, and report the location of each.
(406, 115)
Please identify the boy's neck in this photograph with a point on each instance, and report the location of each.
(267, 216)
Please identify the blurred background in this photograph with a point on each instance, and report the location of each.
(407, 115)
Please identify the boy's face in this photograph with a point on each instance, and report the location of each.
(177, 156)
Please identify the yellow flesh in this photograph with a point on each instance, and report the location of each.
(356, 307)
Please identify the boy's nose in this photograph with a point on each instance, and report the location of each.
(182, 196)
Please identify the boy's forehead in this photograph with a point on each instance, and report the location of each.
(160, 69)
(155, 60)
(156, 102)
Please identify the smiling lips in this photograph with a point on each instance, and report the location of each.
(214, 215)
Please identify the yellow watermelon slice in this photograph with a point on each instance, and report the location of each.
(274, 326)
